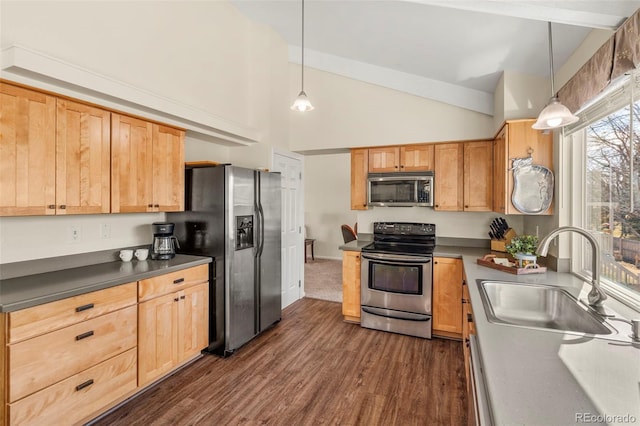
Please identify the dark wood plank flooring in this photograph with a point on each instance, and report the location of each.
(312, 368)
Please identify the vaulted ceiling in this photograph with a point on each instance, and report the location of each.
(453, 51)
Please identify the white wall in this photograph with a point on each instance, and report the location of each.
(327, 201)
(205, 55)
(350, 113)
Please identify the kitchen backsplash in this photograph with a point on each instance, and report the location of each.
(448, 224)
(38, 237)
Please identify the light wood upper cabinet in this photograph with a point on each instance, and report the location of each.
(83, 159)
(517, 139)
(500, 171)
(447, 296)
(168, 168)
(351, 286)
(448, 180)
(405, 158)
(147, 166)
(463, 176)
(384, 160)
(416, 158)
(131, 164)
(478, 176)
(27, 152)
(359, 170)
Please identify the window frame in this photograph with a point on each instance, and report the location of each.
(573, 144)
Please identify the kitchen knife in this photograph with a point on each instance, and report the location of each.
(497, 229)
(505, 226)
(494, 228)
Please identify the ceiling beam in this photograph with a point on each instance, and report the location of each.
(533, 10)
(452, 94)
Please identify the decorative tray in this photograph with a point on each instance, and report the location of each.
(530, 269)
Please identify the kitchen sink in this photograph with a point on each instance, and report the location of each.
(538, 306)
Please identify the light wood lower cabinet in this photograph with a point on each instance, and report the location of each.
(173, 321)
(67, 361)
(351, 286)
(72, 399)
(447, 297)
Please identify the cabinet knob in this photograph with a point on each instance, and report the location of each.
(466, 207)
(51, 206)
(150, 205)
(156, 205)
(175, 299)
(437, 205)
(395, 167)
(62, 207)
(183, 297)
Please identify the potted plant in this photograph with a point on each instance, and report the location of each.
(523, 249)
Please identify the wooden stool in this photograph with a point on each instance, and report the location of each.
(308, 242)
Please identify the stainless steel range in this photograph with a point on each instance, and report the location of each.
(397, 278)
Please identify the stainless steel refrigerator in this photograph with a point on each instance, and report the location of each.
(233, 214)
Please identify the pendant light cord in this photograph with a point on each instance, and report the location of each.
(302, 71)
(553, 92)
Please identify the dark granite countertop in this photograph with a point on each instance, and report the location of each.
(32, 290)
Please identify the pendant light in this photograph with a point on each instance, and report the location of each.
(554, 115)
(302, 103)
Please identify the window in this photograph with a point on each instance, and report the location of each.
(607, 141)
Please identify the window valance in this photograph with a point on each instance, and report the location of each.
(619, 55)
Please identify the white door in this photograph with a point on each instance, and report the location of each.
(290, 167)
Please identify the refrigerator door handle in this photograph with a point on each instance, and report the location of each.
(261, 231)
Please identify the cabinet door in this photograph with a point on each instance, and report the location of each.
(158, 337)
(383, 160)
(447, 295)
(83, 163)
(522, 141)
(131, 165)
(193, 321)
(448, 181)
(351, 286)
(416, 158)
(500, 171)
(27, 152)
(168, 169)
(478, 176)
(359, 170)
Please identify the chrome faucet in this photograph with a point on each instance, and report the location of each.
(596, 295)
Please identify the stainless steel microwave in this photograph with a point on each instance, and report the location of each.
(400, 189)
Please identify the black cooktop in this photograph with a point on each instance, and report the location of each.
(402, 238)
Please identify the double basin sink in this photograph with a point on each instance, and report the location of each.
(539, 307)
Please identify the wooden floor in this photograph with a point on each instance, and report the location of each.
(312, 368)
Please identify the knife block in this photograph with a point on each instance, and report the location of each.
(500, 245)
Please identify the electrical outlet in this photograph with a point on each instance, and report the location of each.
(74, 233)
(105, 231)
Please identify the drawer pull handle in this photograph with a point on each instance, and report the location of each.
(178, 281)
(175, 299)
(84, 385)
(183, 297)
(84, 307)
(84, 335)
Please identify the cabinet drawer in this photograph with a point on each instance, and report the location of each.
(174, 281)
(44, 360)
(79, 396)
(32, 322)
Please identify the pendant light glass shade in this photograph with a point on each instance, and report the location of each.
(302, 103)
(554, 115)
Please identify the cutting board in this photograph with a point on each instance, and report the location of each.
(511, 269)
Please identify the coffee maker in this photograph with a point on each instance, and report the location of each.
(163, 247)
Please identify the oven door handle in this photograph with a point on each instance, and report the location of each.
(390, 259)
